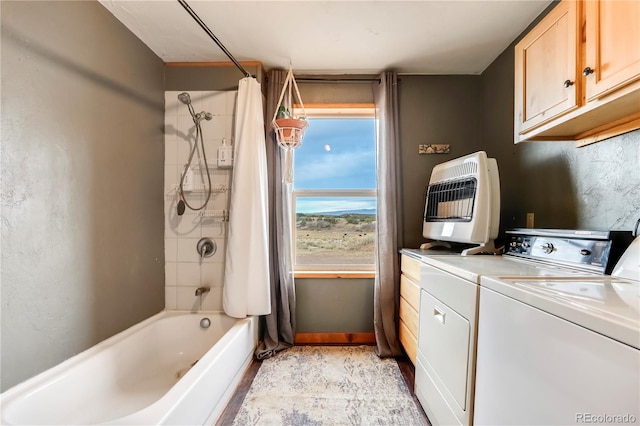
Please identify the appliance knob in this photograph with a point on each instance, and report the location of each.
(585, 252)
(525, 244)
(547, 248)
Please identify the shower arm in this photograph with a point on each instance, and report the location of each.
(206, 29)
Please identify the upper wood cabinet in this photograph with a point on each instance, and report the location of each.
(546, 69)
(612, 45)
(577, 73)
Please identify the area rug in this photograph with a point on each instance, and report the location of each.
(328, 385)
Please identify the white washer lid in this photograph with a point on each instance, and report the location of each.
(472, 268)
(606, 305)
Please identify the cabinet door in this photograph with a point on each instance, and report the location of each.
(444, 340)
(546, 69)
(612, 46)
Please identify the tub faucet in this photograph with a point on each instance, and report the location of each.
(202, 290)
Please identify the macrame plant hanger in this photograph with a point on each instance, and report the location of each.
(289, 130)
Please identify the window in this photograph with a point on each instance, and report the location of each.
(334, 191)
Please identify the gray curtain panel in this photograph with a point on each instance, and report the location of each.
(277, 330)
(389, 237)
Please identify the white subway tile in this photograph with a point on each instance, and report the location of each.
(170, 249)
(187, 225)
(196, 100)
(170, 297)
(229, 132)
(232, 99)
(170, 151)
(188, 274)
(184, 125)
(184, 270)
(214, 129)
(215, 102)
(187, 251)
(186, 298)
(184, 148)
(212, 274)
(171, 176)
(214, 228)
(170, 273)
(212, 301)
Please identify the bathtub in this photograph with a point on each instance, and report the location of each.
(164, 370)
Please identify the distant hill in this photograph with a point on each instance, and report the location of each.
(341, 212)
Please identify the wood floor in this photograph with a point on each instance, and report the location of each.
(406, 368)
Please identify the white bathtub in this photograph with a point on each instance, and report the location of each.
(143, 375)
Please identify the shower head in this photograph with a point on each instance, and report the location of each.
(184, 98)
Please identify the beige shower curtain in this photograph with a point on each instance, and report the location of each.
(389, 227)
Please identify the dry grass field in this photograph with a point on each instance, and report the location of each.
(323, 239)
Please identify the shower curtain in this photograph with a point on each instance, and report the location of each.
(246, 274)
(389, 230)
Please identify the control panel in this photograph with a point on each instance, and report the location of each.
(580, 253)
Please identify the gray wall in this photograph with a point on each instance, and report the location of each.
(594, 187)
(433, 110)
(207, 77)
(334, 305)
(82, 179)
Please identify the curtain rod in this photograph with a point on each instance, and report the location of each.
(336, 80)
(206, 29)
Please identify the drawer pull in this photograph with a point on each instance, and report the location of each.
(438, 315)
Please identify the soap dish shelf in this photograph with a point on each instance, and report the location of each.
(215, 214)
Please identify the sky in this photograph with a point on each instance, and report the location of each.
(336, 154)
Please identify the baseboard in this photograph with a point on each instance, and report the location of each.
(335, 339)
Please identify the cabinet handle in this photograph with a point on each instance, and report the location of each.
(438, 315)
(567, 83)
(587, 71)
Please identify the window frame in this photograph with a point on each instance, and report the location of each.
(360, 110)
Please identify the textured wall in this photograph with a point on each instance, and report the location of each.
(433, 110)
(595, 187)
(82, 167)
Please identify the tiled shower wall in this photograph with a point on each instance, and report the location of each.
(185, 271)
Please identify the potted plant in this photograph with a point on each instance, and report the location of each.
(289, 130)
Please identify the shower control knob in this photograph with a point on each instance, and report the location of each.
(547, 248)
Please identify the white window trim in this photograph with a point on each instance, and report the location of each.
(322, 111)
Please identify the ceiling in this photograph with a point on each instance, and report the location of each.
(334, 37)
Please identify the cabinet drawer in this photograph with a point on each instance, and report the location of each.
(410, 290)
(410, 267)
(444, 342)
(408, 341)
(409, 316)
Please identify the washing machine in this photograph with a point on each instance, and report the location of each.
(555, 351)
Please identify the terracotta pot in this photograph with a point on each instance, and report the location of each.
(288, 127)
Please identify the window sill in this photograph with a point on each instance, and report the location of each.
(334, 274)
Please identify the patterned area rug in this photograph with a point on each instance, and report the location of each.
(328, 385)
